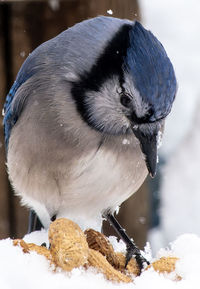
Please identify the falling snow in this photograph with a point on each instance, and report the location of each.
(125, 141)
(110, 12)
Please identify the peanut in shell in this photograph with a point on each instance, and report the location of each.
(68, 245)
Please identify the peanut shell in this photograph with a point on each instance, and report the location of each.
(22, 244)
(164, 264)
(97, 260)
(69, 248)
(132, 267)
(27, 247)
(99, 242)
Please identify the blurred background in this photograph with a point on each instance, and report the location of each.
(167, 206)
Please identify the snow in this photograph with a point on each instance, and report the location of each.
(19, 270)
(54, 5)
(22, 54)
(159, 139)
(180, 190)
(125, 141)
(110, 12)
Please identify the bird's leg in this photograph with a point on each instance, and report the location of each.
(132, 249)
(34, 223)
(53, 218)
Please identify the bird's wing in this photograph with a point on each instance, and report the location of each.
(12, 109)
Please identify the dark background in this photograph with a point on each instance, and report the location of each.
(23, 26)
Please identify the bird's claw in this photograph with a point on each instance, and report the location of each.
(133, 251)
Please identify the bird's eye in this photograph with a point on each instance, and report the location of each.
(125, 100)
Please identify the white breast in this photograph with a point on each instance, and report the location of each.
(76, 184)
(102, 180)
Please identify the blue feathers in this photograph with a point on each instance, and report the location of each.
(9, 118)
(152, 71)
(10, 112)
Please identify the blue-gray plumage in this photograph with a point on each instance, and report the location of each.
(13, 112)
(83, 118)
(10, 117)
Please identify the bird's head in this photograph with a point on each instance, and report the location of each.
(130, 89)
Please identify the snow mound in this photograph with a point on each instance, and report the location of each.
(19, 270)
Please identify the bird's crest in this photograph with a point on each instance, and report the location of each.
(152, 72)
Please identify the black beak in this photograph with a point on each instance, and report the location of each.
(148, 143)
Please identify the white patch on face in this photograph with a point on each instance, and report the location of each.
(105, 109)
(140, 107)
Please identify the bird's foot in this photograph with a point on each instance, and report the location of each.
(34, 222)
(133, 251)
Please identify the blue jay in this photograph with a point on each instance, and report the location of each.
(83, 119)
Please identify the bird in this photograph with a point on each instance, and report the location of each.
(83, 120)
